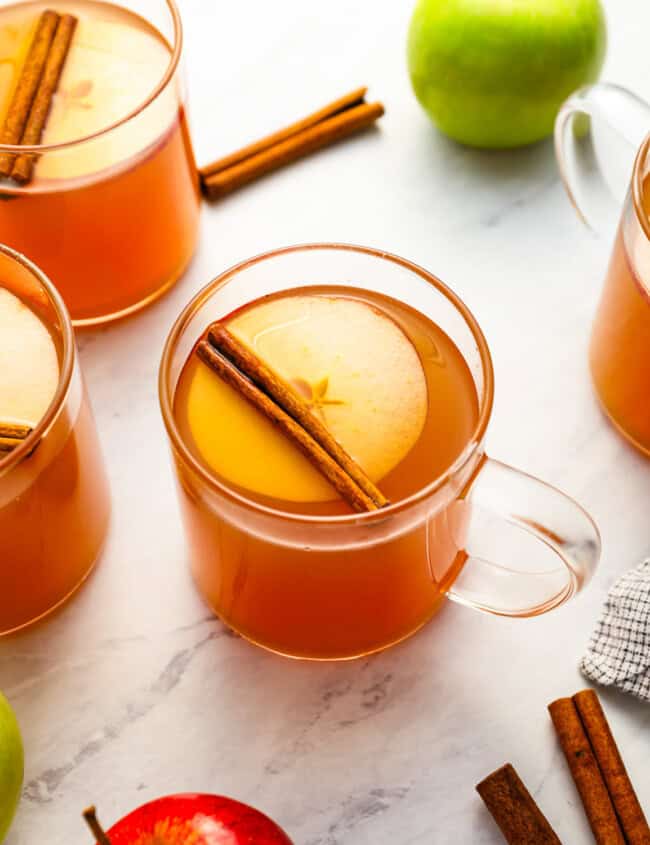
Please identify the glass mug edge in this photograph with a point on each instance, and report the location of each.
(68, 364)
(141, 289)
(165, 81)
(637, 185)
(609, 103)
(586, 177)
(72, 403)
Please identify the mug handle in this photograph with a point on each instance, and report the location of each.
(547, 545)
(596, 165)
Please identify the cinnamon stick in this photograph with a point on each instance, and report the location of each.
(354, 98)
(12, 435)
(21, 102)
(628, 809)
(294, 147)
(586, 773)
(90, 817)
(514, 809)
(24, 165)
(347, 488)
(270, 382)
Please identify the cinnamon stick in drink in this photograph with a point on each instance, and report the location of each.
(347, 488)
(514, 809)
(23, 98)
(586, 773)
(626, 804)
(24, 165)
(225, 342)
(12, 435)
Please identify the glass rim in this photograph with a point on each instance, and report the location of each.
(174, 60)
(67, 364)
(221, 487)
(637, 186)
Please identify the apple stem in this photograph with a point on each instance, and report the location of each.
(90, 815)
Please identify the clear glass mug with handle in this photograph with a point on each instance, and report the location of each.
(335, 587)
(601, 136)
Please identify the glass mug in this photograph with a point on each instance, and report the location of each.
(112, 218)
(54, 498)
(340, 587)
(598, 131)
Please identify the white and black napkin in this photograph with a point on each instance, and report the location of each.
(619, 650)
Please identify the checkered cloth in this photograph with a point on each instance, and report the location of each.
(619, 651)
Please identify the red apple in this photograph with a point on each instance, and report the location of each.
(195, 820)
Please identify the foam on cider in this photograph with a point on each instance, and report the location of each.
(29, 367)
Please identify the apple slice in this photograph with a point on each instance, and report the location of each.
(351, 362)
(112, 67)
(29, 366)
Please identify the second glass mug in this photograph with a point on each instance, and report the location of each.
(113, 218)
(598, 132)
(341, 587)
(54, 497)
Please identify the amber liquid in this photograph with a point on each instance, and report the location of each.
(345, 597)
(620, 347)
(54, 506)
(52, 531)
(113, 222)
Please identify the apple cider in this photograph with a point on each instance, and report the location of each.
(620, 343)
(112, 219)
(54, 503)
(396, 393)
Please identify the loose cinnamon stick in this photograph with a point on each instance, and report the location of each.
(12, 435)
(90, 817)
(21, 103)
(338, 478)
(354, 98)
(628, 809)
(514, 809)
(586, 773)
(24, 165)
(293, 148)
(252, 366)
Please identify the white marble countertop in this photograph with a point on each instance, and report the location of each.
(134, 691)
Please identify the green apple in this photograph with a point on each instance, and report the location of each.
(493, 73)
(11, 765)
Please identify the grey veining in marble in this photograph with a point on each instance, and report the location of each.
(133, 690)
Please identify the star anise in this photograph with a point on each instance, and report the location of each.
(315, 395)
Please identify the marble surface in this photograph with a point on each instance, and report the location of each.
(134, 691)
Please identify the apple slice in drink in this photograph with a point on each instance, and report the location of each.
(112, 68)
(351, 363)
(29, 367)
